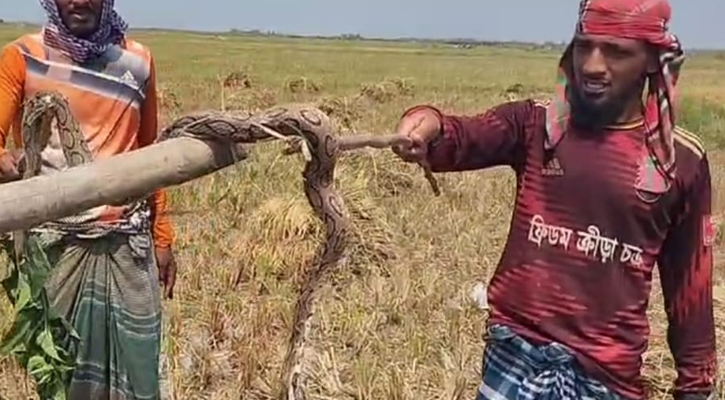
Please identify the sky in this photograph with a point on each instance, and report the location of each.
(525, 20)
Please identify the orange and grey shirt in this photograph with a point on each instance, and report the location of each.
(113, 99)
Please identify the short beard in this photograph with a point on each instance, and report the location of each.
(589, 116)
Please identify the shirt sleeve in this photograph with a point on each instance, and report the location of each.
(163, 232)
(494, 137)
(12, 82)
(686, 267)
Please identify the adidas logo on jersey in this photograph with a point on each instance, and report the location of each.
(129, 79)
(552, 167)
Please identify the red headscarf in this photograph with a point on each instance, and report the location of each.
(642, 20)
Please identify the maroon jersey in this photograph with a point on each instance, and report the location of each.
(583, 242)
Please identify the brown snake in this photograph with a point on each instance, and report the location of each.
(39, 111)
(305, 128)
(292, 123)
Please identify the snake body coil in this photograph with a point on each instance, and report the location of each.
(68, 149)
(315, 128)
(304, 127)
(298, 121)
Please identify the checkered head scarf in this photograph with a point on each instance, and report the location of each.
(645, 20)
(111, 31)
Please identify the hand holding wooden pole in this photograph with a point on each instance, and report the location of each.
(354, 142)
(139, 173)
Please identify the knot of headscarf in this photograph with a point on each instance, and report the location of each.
(111, 31)
(645, 20)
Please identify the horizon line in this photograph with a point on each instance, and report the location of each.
(350, 36)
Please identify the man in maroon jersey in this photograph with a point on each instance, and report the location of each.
(607, 187)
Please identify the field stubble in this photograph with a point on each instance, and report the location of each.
(396, 321)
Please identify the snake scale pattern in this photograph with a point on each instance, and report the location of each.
(39, 112)
(314, 128)
(294, 121)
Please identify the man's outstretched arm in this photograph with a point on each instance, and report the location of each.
(494, 137)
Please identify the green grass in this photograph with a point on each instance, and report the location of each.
(396, 322)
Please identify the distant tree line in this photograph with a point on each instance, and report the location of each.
(463, 43)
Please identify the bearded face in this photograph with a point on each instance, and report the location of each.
(609, 75)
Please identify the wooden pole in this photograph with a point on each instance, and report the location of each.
(27, 203)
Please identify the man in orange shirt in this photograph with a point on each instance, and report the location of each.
(109, 266)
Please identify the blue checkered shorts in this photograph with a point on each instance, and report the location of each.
(514, 369)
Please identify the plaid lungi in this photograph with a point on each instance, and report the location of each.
(108, 289)
(514, 369)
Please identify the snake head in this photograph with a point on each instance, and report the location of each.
(42, 103)
(38, 113)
